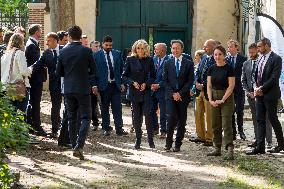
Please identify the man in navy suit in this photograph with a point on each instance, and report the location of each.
(49, 60)
(109, 64)
(267, 93)
(158, 91)
(76, 64)
(178, 77)
(39, 76)
(236, 61)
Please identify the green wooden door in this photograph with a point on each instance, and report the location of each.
(152, 20)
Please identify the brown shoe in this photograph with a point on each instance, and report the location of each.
(208, 143)
(230, 152)
(163, 135)
(78, 153)
(215, 152)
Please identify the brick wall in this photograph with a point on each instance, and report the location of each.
(36, 16)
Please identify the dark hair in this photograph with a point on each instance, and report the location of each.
(252, 46)
(265, 41)
(7, 36)
(53, 35)
(1, 30)
(61, 34)
(177, 41)
(107, 39)
(222, 49)
(75, 32)
(34, 28)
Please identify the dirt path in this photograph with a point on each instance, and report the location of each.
(112, 163)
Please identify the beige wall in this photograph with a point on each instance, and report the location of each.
(47, 25)
(280, 12)
(213, 19)
(85, 17)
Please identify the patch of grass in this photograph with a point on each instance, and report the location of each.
(234, 183)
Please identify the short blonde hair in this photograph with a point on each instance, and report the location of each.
(199, 52)
(141, 43)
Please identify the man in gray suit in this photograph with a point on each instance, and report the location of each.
(249, 69)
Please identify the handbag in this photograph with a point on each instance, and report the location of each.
(15, 91)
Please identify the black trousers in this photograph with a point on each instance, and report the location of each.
(35, 98)
(263, 106)
(138, 110)
(239, 110)
(75, 103)
(176, 117)
(56, 99)
(94, 105)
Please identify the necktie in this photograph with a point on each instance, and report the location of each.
(110, 67)
(177, 67)
(259, 74)
(159, 63)
(232, 59)
(54, 57)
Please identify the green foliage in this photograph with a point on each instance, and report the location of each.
(13, 135)
(8, 7)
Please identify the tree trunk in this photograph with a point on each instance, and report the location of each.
(62, 14)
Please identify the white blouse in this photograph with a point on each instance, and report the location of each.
(19, 70)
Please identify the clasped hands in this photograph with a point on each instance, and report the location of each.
(216, 103)
(258, 91)
(139, 87)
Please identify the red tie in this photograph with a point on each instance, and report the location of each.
(259, 75)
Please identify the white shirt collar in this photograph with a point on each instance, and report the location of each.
(179, 58)
(34, 39)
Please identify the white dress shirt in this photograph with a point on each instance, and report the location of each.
(112, 62)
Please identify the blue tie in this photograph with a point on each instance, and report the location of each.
(177, 67)
(232, 59)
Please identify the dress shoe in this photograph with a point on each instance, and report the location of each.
(167, 148)
(151, 143)
(277, 149)
(95, 127)
(215, 152)
(163, 135)
(67, 146)
(121, 132)
(53, 135)
(255, 152)
(208, 143)
(269, 146)
(242, 135)
(196, 140)
(137, 143)
(41, 132)
(155, 132)
(78, 153)
(281, 110)
(106, 133)
(176, 149)
(252, 145)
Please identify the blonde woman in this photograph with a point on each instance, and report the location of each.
(20, 70)
(139, 74)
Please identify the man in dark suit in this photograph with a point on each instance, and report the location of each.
(236, 61)
(109, 64)
(38, 76)
(178, 77)
(49, 60)
(158, 91)
(76, 64)
(267, 93)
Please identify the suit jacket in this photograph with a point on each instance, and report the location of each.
(140, 71)
(32, 53)
(76, 64)
(47, 61)
(238, 72)
(160, 93)
(184, 81)
(202, 71)
(248, 74)
(103, 71)
(270, 77)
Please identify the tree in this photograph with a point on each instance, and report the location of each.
(62, 14)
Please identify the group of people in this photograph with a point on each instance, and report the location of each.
(85, 74)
